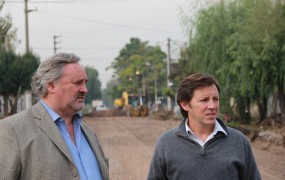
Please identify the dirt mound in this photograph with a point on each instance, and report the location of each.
(109, 113)
(272, 137)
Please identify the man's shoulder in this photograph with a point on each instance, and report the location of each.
(169, 134)
(22, 118)
(234, 131)
(231, 131)
(236, 135)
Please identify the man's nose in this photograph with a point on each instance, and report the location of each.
(84, 88)
(212, 104)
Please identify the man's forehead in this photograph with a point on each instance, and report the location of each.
(204, 89)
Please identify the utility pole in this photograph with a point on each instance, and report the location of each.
(29, 99)
(55, 42)
(168, 73)
(155, 90)
(26, 11)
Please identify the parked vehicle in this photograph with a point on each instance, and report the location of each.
(102, 107)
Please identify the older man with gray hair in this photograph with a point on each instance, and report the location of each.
(50, 140)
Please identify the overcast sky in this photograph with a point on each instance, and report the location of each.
(96, 30)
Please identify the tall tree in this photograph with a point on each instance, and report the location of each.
(8, 36)
(93, 85)
(263, 32)
(8, 40)
(16, 77)
(242, 44)
(6, 60)
(111, 92)
(138, 66)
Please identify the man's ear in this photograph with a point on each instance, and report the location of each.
(50, 86)
(184, 105)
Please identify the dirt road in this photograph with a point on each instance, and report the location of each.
(129, 142)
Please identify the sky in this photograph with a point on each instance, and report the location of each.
(96, 30)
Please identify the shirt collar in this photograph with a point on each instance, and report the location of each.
(55, 116)
(217, 128)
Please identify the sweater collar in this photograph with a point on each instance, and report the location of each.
(182, 132)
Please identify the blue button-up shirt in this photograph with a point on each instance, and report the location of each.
(82, 154)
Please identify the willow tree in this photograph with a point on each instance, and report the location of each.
(242, 44)
(207, 50)
(258, 48)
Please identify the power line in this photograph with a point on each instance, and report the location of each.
(67, 1)
(91, 48)
(109, 24)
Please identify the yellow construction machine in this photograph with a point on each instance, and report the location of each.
(134, 104)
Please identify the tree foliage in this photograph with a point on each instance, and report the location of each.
(93, 85)
(111, 92)
(242, 43)
(137, 67)
(8, 37)
(15, 76)
(15, 70)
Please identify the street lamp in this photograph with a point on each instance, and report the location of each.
(139, 91)
(138, 75)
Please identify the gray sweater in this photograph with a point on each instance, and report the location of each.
(225, 157)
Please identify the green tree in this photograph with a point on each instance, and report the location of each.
(10, 87)
(242, 44)
(15, 76)
(207, 49)
(137, 67)
(111, 92)
(263, 33)
(93, 85)
(6, 60)
(8, 36)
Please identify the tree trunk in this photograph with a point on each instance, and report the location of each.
(14, 104)
(281, 98)
(273, 112)
(262, 106)
(6, 105)
(243, 107)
